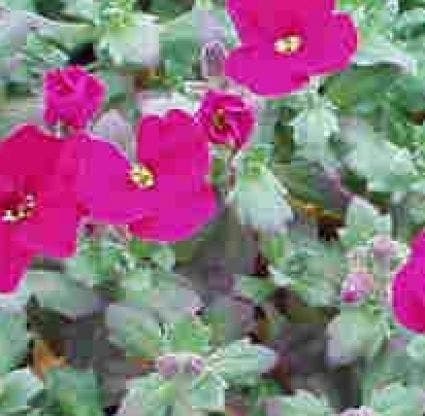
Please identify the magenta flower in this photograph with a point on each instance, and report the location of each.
(227, 118)
(38, 205)
(408, 295)
(166, 190)
(286, 42)
(72, 96)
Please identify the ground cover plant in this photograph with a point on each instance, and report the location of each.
(212, 207)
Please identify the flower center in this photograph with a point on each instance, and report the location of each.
(19, 211)
(288, 45)
(219, 119)
(142, 176)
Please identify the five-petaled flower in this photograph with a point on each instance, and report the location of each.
(165, 195)
(38, 206)
(227, 118)
(284, 43)
(72, 96)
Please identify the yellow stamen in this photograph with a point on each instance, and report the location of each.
(22, 211)
(142, 176)
(219, 119)
(288, 45)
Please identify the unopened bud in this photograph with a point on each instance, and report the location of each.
(357, 287)
(167, 366)
(213, 57)
(194, 366)
(383, 247)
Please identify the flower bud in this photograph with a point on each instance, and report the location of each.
(213, 57)
(356, 287)
(383, 247)
(194, 365)
(167, 366)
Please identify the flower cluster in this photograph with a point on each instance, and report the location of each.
(50, 183)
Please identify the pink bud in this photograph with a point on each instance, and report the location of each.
(167, 366)
(213, 57)
(384, 247)
(356, 287)
(194, 366)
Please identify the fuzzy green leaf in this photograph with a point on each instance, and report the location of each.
(241, 361)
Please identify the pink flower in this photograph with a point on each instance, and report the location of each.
(286, 42)
(38, 205)
(356, 287)
(166, 190)
(72, 96)
(408, 295)
(227, 118)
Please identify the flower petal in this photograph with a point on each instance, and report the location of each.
(179, 220)
(330, 47)
(408, 296)
(104, 186)
(256, 21)
(14, 261)
(38, 152)
(264, 72)
(52, 230)
(176, 148)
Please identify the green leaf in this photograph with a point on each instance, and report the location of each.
(380, 50)
(314, 270)
(58, 292)
(13, 340)
(141, 40)
(416, 348)
(97, 261)
(208, 393)
(168, 9)
(189, 335)
(353, 333)
(85, 9)
(134, 330)
(363, 221)
(241, 361)
(164, 257)
(148, 396)
(17, 389)
(360, 89)
(19, 111)
(76, 393)
(312, 129)
(166, 294)
(409, 22)
(68, 35)
(260, 202)
(18, 4)
(304, 403)
(397, 400)
(255, 289)
(386, 167)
